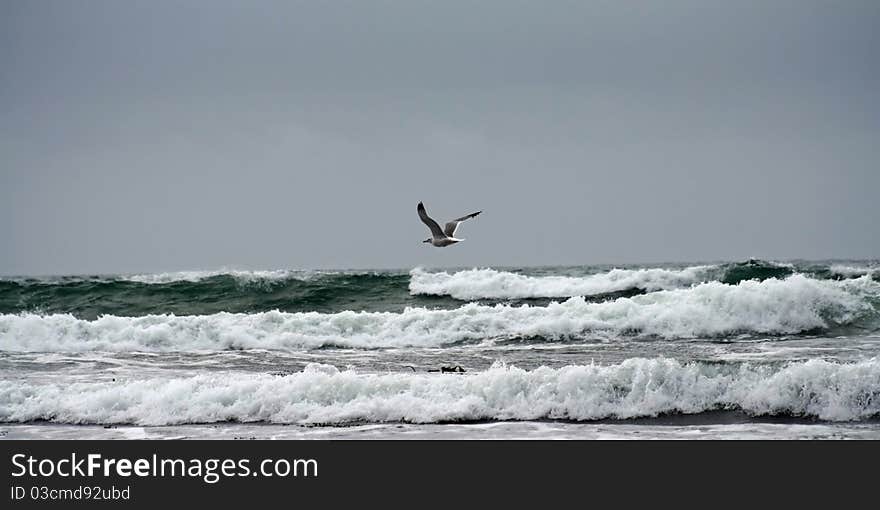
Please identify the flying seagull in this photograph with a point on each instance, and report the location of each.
(446, 236)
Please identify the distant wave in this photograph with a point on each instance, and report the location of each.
(198, 276)
(492, 284)
(852, 271)
(204, 292)
(240, 275)
(793, 305)
(756, 269)
(235, 291)
(321, 394)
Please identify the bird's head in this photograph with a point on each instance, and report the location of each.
(428, 240)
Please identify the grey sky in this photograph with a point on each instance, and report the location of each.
(154, 136)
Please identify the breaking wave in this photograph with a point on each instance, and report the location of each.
(793, 305)
(474, 284)
(492, 284)
(198, 276)
(845, 271)
(210, 292)
(322, 394)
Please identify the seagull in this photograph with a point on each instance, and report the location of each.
(445, 237)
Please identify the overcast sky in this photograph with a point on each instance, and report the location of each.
(155, 136)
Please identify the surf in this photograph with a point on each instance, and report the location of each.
(326, 395)
(750, 309)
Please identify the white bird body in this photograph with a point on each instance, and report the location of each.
(442, 237)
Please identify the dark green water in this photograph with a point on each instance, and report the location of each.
(756, 340)
(88, 297)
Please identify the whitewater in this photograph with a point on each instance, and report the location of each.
(769, 349)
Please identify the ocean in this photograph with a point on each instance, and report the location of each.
(727, 350)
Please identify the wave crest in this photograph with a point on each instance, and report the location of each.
(772, 307)
(493, 284)
(243, 277)
(321, 394)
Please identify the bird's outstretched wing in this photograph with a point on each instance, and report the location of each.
(452, 226)
(435, 228)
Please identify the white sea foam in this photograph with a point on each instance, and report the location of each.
(197, 276)
(851, 271)
(793, 305)
(321, 394)
(492, 284)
